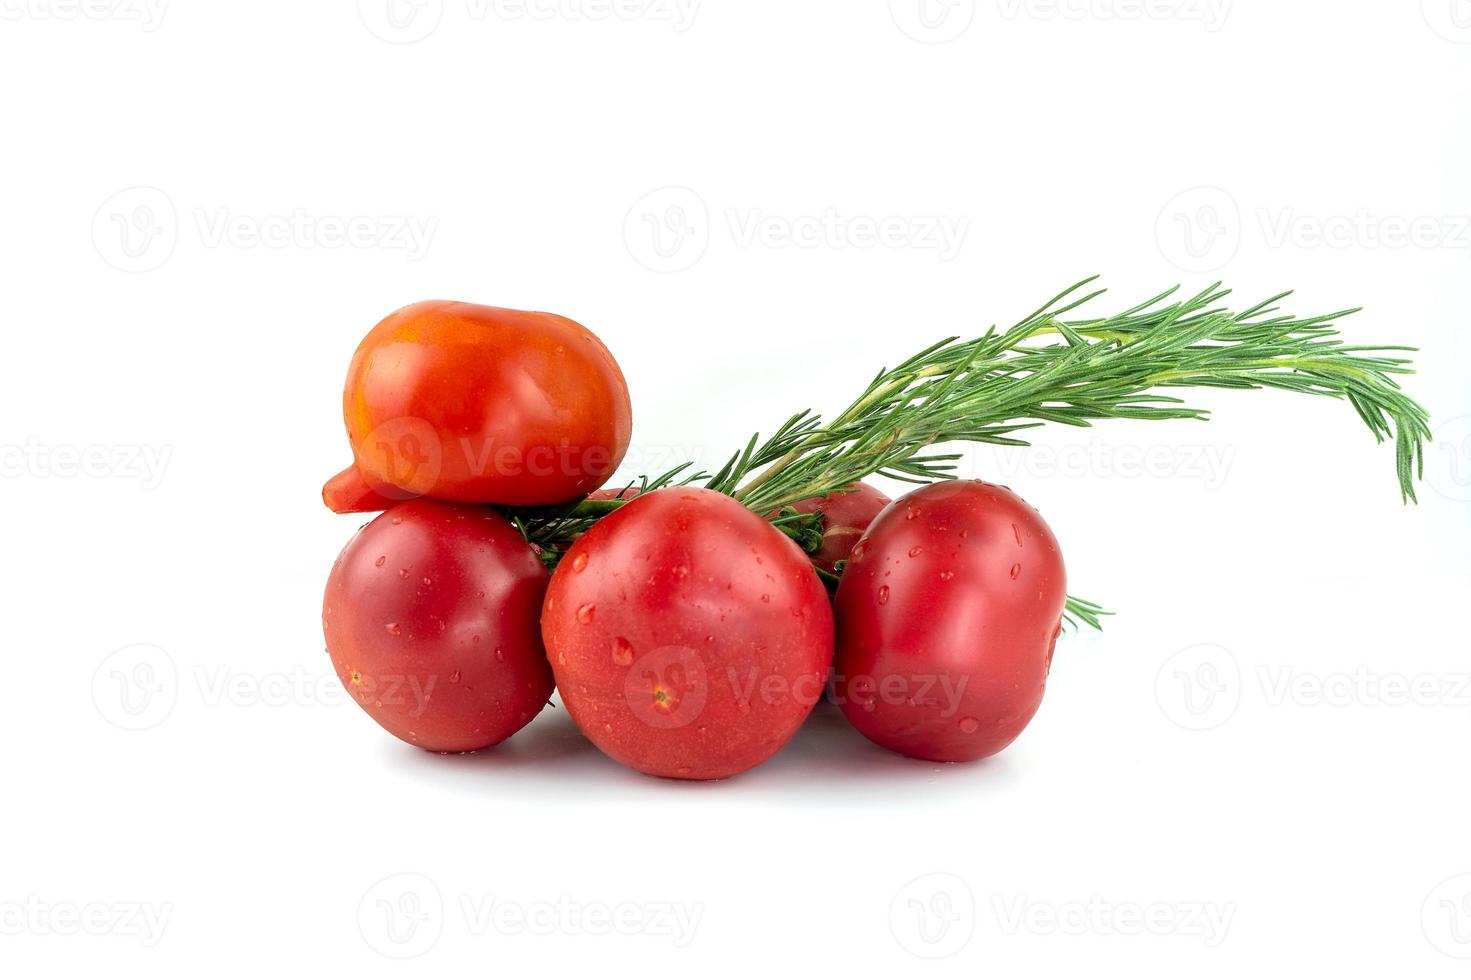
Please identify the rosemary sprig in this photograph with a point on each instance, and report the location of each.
(988, 389)
(1080, 612)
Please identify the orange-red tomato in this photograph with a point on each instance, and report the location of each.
(349, 492)
(477, 404)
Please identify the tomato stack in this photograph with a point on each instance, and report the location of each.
(687, 635)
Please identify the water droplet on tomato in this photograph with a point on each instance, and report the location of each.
(428, 580)
(946, 575)
(580, 562)
(883, 594)
(765, 597)
(911, 513)
(403, 573)
(500, 654)
(969, 725)
(394, 520)
(915, 551)
(585, 613)
(475, 638)
(454, 677)
(1016, 570)
(622, 651)
(393, 628)
(1018, 532)
(380, 561)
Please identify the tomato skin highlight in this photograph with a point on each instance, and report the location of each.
(947, 614)
(478, 404)
(846, 515)
(431, 619)
(689, 638)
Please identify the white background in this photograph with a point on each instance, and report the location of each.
(1298, 813)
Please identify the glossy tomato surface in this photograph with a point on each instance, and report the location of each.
(689, 637)
(946, 618)
(479, 404)
(846, 515)
(431, 617)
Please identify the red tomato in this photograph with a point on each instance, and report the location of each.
(431, 621)
(846, 515)
(614, 493)
(689, 637)
(484, 405)
(947, 614)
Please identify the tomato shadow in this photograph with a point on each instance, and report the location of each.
(551, 744)
(827, 763)
(829, 755)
